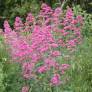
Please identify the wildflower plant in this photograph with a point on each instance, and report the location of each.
(52, 34)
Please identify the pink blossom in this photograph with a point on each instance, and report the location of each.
(69, 27)
(27, 68)
(69, 13)
(55, 80)
(54, 33)
(55, 53)
(71, 43)
(61, 42)
(57, 11)
(46, 11)
(7, 27)
(35, 57)
(79, 18)
(42, 69)
(44, 49)
(64, 33)
(29, 18)
(19, 47)
(74, 21)
(56, 15)
(63, 68)
(18, 25)
(54, 45)
(25, 89)
(50, 62)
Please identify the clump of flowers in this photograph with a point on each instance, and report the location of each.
(25, 89)
(49, 38)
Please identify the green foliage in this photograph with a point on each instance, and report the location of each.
(2, 60)
(13, 8)
(1, 77)
(13, 80)
(81, 74)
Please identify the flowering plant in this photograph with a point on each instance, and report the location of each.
(52, 34)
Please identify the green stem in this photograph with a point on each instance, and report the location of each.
(64, 4)
(59, 1)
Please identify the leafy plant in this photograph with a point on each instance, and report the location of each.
(81, 73)
(12, 8)
(39, 53)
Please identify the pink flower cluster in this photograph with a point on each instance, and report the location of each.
(55, 32)
(7, 26)
(18, 25)
(46, 11)
(18, 46)
(25, 89)
(56, 79)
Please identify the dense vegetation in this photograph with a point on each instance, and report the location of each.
(20, 33)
